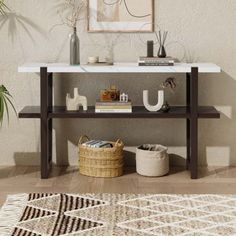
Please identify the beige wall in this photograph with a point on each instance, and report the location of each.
(202, 30)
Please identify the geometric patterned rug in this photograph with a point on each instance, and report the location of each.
(118, 214)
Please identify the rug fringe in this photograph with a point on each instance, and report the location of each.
(11, 212)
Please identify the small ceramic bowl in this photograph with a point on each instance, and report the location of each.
(93, 60)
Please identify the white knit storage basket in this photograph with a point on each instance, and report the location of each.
(152, 163)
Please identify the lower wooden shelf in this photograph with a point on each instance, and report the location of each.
(209, 112)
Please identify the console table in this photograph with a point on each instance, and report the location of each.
(46, 112)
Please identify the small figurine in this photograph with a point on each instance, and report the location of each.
(73, 104)
(158, 106)
(124, 97)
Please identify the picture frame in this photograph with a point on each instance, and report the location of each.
(120, 16)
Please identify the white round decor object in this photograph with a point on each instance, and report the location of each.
(94, 59)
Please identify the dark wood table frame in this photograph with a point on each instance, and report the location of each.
(47, 112)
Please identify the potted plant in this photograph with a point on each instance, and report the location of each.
(5, 96)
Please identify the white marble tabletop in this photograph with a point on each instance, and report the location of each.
(119, 68)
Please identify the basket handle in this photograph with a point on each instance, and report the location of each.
(83, 139)
(119, 141)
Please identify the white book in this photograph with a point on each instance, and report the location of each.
(113, 110)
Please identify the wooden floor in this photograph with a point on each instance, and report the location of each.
(67, 180)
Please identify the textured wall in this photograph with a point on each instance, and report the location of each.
(199, 31)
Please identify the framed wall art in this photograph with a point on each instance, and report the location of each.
(120, 15)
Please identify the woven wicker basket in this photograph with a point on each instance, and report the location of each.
(101, 162)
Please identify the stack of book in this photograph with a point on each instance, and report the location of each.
(157, 61)
(113, 107)
(98, 144)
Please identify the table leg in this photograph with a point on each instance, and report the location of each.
(46, 124)
(194, 123)
(50, 121)
(188, 122)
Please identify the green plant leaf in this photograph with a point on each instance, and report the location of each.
(1, 109)
(10, 102)
(5, 101)
(3, 7)
(6, 107)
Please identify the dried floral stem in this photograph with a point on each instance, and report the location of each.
(161, 38)
(169, 83)
(76, 8)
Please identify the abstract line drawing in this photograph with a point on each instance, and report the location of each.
(127, 8)
(120, 15)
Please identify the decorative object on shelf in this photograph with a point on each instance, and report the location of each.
(71, 12)
(94, 59)
(161, 37)
(156, 107)
(165, 107)
(113, 107)
(124, 97)
(73, 104)
(157, 61)
(121, 16)
(152, 160)
(74, 48)
(101, 162)
(169, 84)
(110, 50)
(150, 48)
(5, 102)
(109, 61)
(111, 94)
(100, 63)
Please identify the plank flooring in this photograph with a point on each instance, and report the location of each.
(26, 179)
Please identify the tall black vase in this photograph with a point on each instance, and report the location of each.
(74, 48)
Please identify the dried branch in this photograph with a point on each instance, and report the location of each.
(169, 83)
(161, 37)
(76, 9)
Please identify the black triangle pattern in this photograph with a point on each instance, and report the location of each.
(70, 203)
(34, 213)
(69, 224)
(23, 232)
(35, 196)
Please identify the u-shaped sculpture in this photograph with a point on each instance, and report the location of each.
(158, 106)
